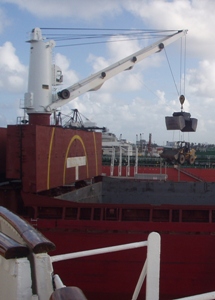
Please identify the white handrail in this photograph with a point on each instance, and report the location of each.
(61, 257)
(206, 296)
(151, 268)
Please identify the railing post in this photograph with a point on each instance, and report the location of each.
(140, 281)
(153, 267)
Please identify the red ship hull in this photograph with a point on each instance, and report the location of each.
(38, 158)
(187, 245)
(187, 260)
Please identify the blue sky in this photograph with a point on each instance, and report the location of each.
(130, 103)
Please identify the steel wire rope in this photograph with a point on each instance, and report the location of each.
(183, 62)
(61, 37)
(131, 34)
(174, 83)
(150, 90)
(180, 79)
(81, 37)
(94, 43)
(171, 71)
(180, 65)
(109, 29)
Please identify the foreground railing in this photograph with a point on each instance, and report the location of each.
(18, 242)
(150, 270)
(207, 296)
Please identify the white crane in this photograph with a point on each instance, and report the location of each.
(43, 75)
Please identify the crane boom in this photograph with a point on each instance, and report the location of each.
(95, 81)
(43, 75)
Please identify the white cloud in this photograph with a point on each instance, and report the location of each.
(201, 80)
(195, 15)
(13, 75)
(120, 48)
(4, 22)
(82, 9)
(98, 62)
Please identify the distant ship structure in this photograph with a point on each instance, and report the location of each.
(119, 152)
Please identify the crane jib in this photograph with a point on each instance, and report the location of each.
(95, 81)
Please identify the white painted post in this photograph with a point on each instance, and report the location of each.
(128, 164)
(43, 274)
(140, 281)
(136, 161)
(120, 161)
(153, 267)
(58, 282)
(15, 279)
(112, 161)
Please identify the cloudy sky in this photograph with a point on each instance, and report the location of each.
(131, 103)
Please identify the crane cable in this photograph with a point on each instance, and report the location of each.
(181, 63)
(181, 60)
(171, 72)
(185, 56)
(90, 36)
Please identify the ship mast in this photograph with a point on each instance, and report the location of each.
(42, 76)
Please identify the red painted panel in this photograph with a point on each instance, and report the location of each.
(13, 167)
(3, 138)
(40, 153)
(30, 158)
(39, 119)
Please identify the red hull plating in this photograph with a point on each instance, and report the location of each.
(187, 245)
(187, 260)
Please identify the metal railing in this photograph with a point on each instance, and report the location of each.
(150, 270)
(206, 296)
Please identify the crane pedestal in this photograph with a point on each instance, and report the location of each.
(39, 119)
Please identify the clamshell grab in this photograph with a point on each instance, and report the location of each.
(181, 120)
